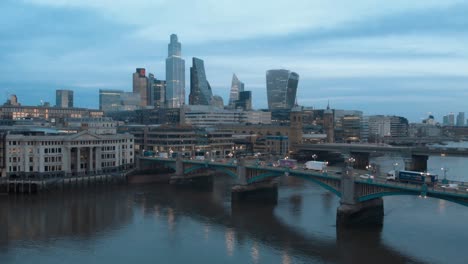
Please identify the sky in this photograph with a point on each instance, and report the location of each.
(398, 57)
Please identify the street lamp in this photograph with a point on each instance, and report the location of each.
(444, 181)
(314, 157)
(395, 165)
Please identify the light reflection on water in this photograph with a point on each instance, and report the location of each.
(160, 224)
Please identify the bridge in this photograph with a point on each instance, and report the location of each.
(415, 157)
(360, 199)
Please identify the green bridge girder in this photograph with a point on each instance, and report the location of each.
(387, 188)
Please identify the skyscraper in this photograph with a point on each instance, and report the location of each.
(156, 92)
(175, 75)
(236, 87)
(64, 98)
(461, 119)
(140, 85)
(281, 89)
(200, 89)
(245, 101)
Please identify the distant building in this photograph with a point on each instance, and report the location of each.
(109, 100)
(281, 89)
(64, 98)
(140, 85)
(461, 119)
(449, 120)
(209, 116)
(130, 101)
(186, 140)
(12, 101)
(175, 75)
(200, 89)
(51, 114)
(156, 92)
(387, 126)
(98, 126)
(329, 124)
(245, 101)
(236, 88)
(217, 101)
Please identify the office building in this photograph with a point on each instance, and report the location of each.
(64, 98)
(245, 101)
(281, 89)
(140, 85)
(236, 88)
(175, 75)
(461, 119)
(200, 89)
(109, 100)
(156, 92)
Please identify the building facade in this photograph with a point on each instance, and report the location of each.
(236, 88)
(244, 102)
(51, 114)
(281, 89)
(200, 89)
(140, 85)
(64, 98)
(175, 75)
(156, 92)
(60, 155)
(110, 100)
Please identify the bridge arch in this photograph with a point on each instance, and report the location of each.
(393, 193)
(321, 184)
(273, 174)
(230, 173)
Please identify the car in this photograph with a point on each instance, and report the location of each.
(366, 176)
(450, 186)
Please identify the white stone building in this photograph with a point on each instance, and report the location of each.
(34, 155)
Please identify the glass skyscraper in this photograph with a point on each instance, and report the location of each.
(175, 75)
(200, 89)
(281, 89)
(109, 100)
(236, 87)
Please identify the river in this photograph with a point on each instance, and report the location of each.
(452, 167)
(164, 224)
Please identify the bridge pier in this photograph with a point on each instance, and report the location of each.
(351, 212)
(265, 191)
(201, 180)
(368, 213)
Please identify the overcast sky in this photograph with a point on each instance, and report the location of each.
(383, 57)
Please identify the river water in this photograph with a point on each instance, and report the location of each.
(164, 224)
(452, 167)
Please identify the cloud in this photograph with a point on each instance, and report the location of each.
(205, 21)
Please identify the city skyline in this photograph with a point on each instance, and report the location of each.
(396, 58)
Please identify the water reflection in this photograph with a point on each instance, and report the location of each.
(251, 232)
(55, 215)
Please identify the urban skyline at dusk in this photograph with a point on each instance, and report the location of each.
(388, 58)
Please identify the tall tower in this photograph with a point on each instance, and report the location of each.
(200, 89)
(236, 88)
(175, 74)
(140, 85)
(281, 89)
(64, 98)
(295, 127)
(329, 124)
